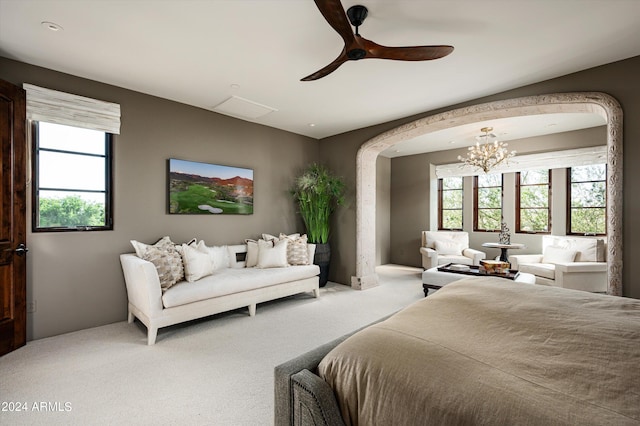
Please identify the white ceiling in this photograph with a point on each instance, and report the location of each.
(203, 52)
(504, 129)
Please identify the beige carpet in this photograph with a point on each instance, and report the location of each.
(216, 371)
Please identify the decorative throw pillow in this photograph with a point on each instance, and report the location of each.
(448, 247)
(272, 255)
(252, 253)
(269, 237)
(197, 262)
(165, 257)
(274, 239)
(297, 253)
(220, 257)
(555, 254)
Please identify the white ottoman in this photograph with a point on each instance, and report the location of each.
(434, 279)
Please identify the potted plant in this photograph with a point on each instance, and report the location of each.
(318, 193)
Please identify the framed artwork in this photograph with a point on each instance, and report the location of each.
(202, 188)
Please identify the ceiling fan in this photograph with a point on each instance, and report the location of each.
(357, 47)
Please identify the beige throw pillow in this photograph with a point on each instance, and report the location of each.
(554, 254)
(197, 262)
(251, 259)
(297, 253)
(272, 255)
(165, 257)
(448, 247)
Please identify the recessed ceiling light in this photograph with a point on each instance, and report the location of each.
(51, 26)
(312, 125)
(452, 142)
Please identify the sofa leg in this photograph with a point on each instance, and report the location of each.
(316, 292)
(252, 310)
(130, 317)
(151, 335)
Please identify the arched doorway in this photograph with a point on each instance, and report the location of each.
(589, 102)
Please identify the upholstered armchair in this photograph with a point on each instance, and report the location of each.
(442, 247)
(570, 262)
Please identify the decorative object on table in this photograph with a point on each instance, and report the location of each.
(458, 267)
(505, 236)
(487, 155)
(202, 188)
(318, 193)
(494, 267)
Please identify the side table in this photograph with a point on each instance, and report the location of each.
(503, 249)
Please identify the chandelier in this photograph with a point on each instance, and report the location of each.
(487, 155)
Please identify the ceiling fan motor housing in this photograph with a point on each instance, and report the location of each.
(355, 54)
(357, 14)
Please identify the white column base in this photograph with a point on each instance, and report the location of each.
(364, 283)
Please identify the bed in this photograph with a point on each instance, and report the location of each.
(480, 351)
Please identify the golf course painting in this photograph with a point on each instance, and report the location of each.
(202, 188)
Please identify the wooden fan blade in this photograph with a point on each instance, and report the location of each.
(335, 15)
(409, 53)
(329, 68)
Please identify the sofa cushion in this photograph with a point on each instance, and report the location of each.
(272, 255)
(448, 247)
(252, 253)
(443, 260)
(197, 262)
(220, 257)
(546, 270)
(461, 237)
(587, 249)
(554, 254)
(165, 257)
(234, 280)
(273, 238)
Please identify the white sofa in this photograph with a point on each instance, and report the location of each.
(570, 262)
(226, 289)
(442, 247)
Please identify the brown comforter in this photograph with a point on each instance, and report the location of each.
(493, 352)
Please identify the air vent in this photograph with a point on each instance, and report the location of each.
(243, 108)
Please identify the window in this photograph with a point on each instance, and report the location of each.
(587, 196)
(450, 203)
(72, 178)
(487, 195)
(533, 201)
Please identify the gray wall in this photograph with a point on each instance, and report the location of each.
(75, 278)
(618, 79)
(412, 211)
(383, 211)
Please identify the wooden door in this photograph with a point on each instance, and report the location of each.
(13, 272)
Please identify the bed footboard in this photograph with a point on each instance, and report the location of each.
(313, 401)
(303, 398)
(300, 398)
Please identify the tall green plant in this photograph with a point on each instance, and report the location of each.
(317, 193)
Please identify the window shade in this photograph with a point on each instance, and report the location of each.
(56, 107)
(520, 163)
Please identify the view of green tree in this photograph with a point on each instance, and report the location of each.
(588, 199)
(70, 211)
(451, 202)
(489, 202)
(534, 201)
